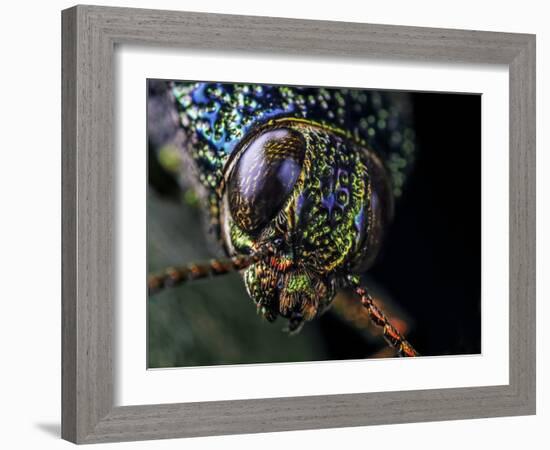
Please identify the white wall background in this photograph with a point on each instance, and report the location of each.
(30, 237)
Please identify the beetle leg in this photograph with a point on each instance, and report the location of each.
(174, 276)
(393, 337)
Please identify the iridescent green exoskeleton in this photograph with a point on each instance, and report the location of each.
(300, 185)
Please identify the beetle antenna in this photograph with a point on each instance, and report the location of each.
(174, 276)
(393, 337)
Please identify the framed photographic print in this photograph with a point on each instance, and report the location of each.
(265, 229)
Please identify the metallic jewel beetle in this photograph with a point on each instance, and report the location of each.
(300, 185)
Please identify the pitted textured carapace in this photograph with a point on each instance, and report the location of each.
(300, 185)
(217, 116)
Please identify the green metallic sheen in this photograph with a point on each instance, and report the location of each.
(358, 149)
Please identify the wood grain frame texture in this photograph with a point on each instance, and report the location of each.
(90, 35)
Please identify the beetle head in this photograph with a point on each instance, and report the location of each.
(321, 200)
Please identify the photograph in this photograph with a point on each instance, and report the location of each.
(334, 213)
(291, 224)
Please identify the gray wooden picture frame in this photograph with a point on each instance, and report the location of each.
(90, 34)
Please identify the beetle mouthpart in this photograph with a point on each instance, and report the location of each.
(303, 294)
(280, 263)
(293, 293)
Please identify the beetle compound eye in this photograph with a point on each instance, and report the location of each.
(264, 177)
